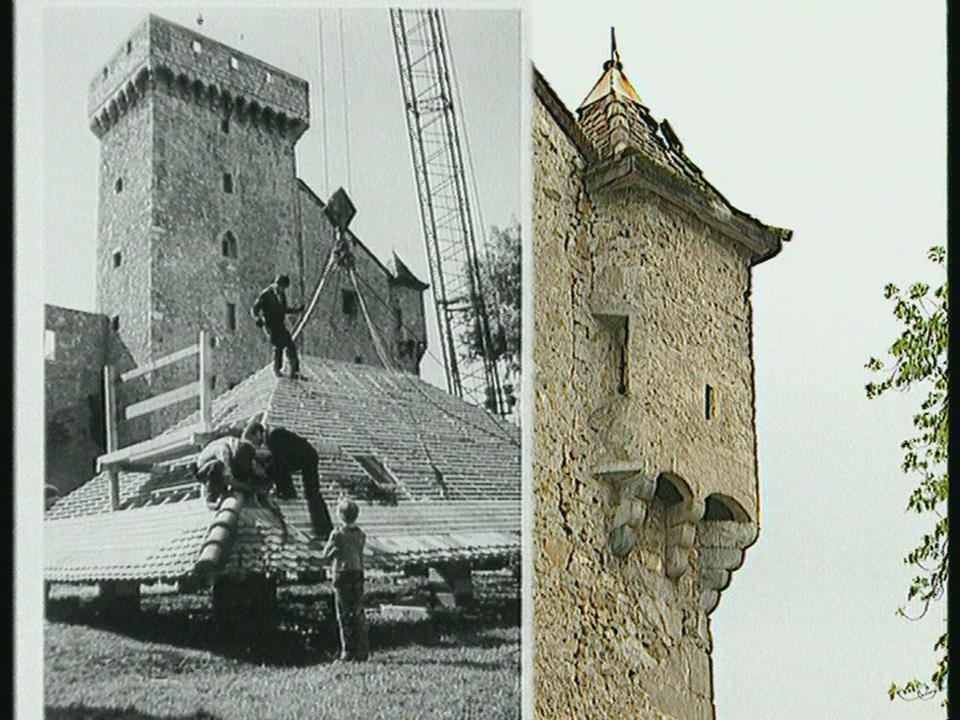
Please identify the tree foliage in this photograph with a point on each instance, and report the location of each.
(918, 359)
(500, 278)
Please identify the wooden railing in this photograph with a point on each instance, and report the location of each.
(168, 446)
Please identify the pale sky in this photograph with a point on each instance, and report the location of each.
(485, 48)
(827, 118)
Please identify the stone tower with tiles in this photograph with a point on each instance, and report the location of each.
(645, 471)
(200, 207)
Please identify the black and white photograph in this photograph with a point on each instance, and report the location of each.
(281, 361)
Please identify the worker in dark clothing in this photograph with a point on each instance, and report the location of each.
(233, 464)
(270, 311)
(290, 453)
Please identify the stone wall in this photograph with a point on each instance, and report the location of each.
(410, 338)
(172, 45)
(73, 402)
(337, 328)
(193, 279)
(638, 307)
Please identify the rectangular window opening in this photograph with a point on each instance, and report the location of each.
(49, 345)
(129, 46)
(118, 185)
(623, 335)
(227, 183)
(231, 317)
(225, 126)
(349, 302)
(378, 472)
(117, 258)
(115, 322)
(228, 246)
(709, 402)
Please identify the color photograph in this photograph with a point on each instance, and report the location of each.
(739, 352)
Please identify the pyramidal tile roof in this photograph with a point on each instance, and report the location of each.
(449, 484)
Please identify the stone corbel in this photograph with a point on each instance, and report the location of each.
(633, 493)
(721, 548)
(681, 534)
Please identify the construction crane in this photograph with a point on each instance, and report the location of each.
(420, 41)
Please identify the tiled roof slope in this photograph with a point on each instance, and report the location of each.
(457, 497)
(612, 123)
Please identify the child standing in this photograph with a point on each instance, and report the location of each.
(345, 546)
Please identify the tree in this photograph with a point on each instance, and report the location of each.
(919, 360)
(500, 278)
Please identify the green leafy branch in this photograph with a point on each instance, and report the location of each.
(919, 359)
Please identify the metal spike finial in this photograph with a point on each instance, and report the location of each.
(614, 60)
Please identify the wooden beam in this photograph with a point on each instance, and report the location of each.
(206, 392)
(113, 479)
(158, 450)
(159, 363)
(110, 408)
(163, 400)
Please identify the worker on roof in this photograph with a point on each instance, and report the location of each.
(345, 548)
(290, 453)
(270, 311)
(234, 464)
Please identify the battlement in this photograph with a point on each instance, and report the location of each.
(159, 50)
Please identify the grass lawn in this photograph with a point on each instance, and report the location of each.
(170, 662)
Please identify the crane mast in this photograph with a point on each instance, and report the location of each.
(420, 42)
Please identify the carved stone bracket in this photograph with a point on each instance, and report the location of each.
(721, 548)
(633, 493)
(681, 534)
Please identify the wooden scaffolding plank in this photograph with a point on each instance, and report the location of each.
(159, 401)
(160, 362)
(159, 449)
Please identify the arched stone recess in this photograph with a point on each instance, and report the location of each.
(683, 511)
(634, 493)
(724, 533)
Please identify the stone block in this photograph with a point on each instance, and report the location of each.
(725, 558)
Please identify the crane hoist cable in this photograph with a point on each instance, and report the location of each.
(323, 101)
(415, 423)
(374, 335)
(331, 261)
(343, 82)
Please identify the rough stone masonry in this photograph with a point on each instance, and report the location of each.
(645, 474)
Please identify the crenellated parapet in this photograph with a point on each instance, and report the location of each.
(164, 56)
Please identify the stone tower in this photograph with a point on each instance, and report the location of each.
(197, 196)
(200, 208)
(645, 467)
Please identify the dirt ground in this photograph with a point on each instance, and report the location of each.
(171, 662)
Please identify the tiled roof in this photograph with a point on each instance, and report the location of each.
(613, 107)
(457, 470)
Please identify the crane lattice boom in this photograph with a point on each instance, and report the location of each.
(435, 143)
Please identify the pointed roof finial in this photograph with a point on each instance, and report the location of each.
(613, 80)
(614, 60)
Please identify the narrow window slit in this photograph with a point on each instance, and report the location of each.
(622, 370)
